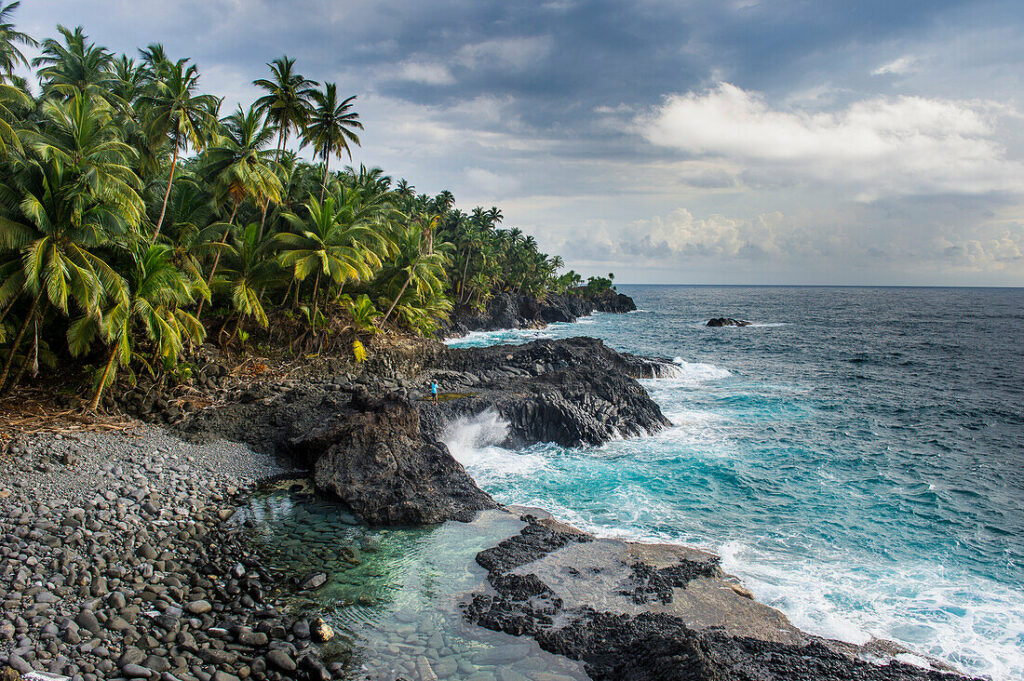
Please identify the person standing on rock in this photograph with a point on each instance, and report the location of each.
(433, 391)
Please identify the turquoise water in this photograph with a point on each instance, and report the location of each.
(856, 456)
(393, 595)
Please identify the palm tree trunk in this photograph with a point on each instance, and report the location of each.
(323, 185)
(216, 258)
(8, 308)
(316, 303)
(32, 358)
(465, 268)
(17, 339)
(103, 381)
(263, 219)
(288, 291)
(167, 195)
(395, 301)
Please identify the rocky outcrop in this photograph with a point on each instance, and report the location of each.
(375, 442)
(637, 612)
(727, 321)
(510, 311)
(374, 458)
(573, 392)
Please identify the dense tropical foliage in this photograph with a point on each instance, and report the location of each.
(138, 220)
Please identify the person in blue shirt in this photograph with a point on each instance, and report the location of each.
(433, 391)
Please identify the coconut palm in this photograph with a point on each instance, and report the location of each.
(152, 297)
(13, 102)
(287, 102)
(338, 238)
(10, 38)
(330, 128)
(248, 267)
(77, 194)
(240, 167)
(177, 113)
(414, 266)
(76, 66)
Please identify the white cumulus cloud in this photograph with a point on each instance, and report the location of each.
(876, 147)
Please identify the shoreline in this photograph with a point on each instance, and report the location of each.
(524, 372)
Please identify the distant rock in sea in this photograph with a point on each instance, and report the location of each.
(727, 321)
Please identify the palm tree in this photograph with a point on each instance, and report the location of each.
(180, 116)
(75, 66)
(154, 56)
(286, 103)
(240, 167)
(414, 267)
(337, 238)
(77, 193)
(249, 267)
(12, 103)
(10, 38)
(152, 297)
(330, 128)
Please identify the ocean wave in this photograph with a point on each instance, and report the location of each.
(971, 622)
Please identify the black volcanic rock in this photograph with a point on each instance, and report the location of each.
(727, 321)
(376, 460)
(511, 311)
(576, 391)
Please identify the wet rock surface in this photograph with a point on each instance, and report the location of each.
(671, 616)
(374, 458)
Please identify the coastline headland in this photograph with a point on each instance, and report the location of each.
(122, 559)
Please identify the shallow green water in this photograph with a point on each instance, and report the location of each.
(394, 594)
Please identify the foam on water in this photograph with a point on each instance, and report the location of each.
(474, 442)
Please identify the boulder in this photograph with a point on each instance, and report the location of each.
(375, 458)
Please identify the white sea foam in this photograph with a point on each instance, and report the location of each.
(972, 623)
(475, 443)
(681, 373)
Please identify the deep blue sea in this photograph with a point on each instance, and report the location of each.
(856, 456)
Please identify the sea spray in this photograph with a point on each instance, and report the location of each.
(475, 442)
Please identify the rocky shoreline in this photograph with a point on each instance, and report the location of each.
(510, 311)
(120, 559)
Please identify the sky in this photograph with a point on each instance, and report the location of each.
(668, 141)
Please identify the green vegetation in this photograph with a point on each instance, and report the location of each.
(137, 220)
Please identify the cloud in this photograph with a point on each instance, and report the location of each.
(423, 72)
(877, 147)
(509, 54)
(895, 67)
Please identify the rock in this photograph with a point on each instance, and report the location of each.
(312, 581)
(131, 655)
(301, 628)
(376, 460)
(321, 631)
(200, 607)
(18, 664)
(87, 620)
(280, 659)
(727, 321)
(134, 671)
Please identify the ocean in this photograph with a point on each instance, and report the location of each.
(856, 456)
